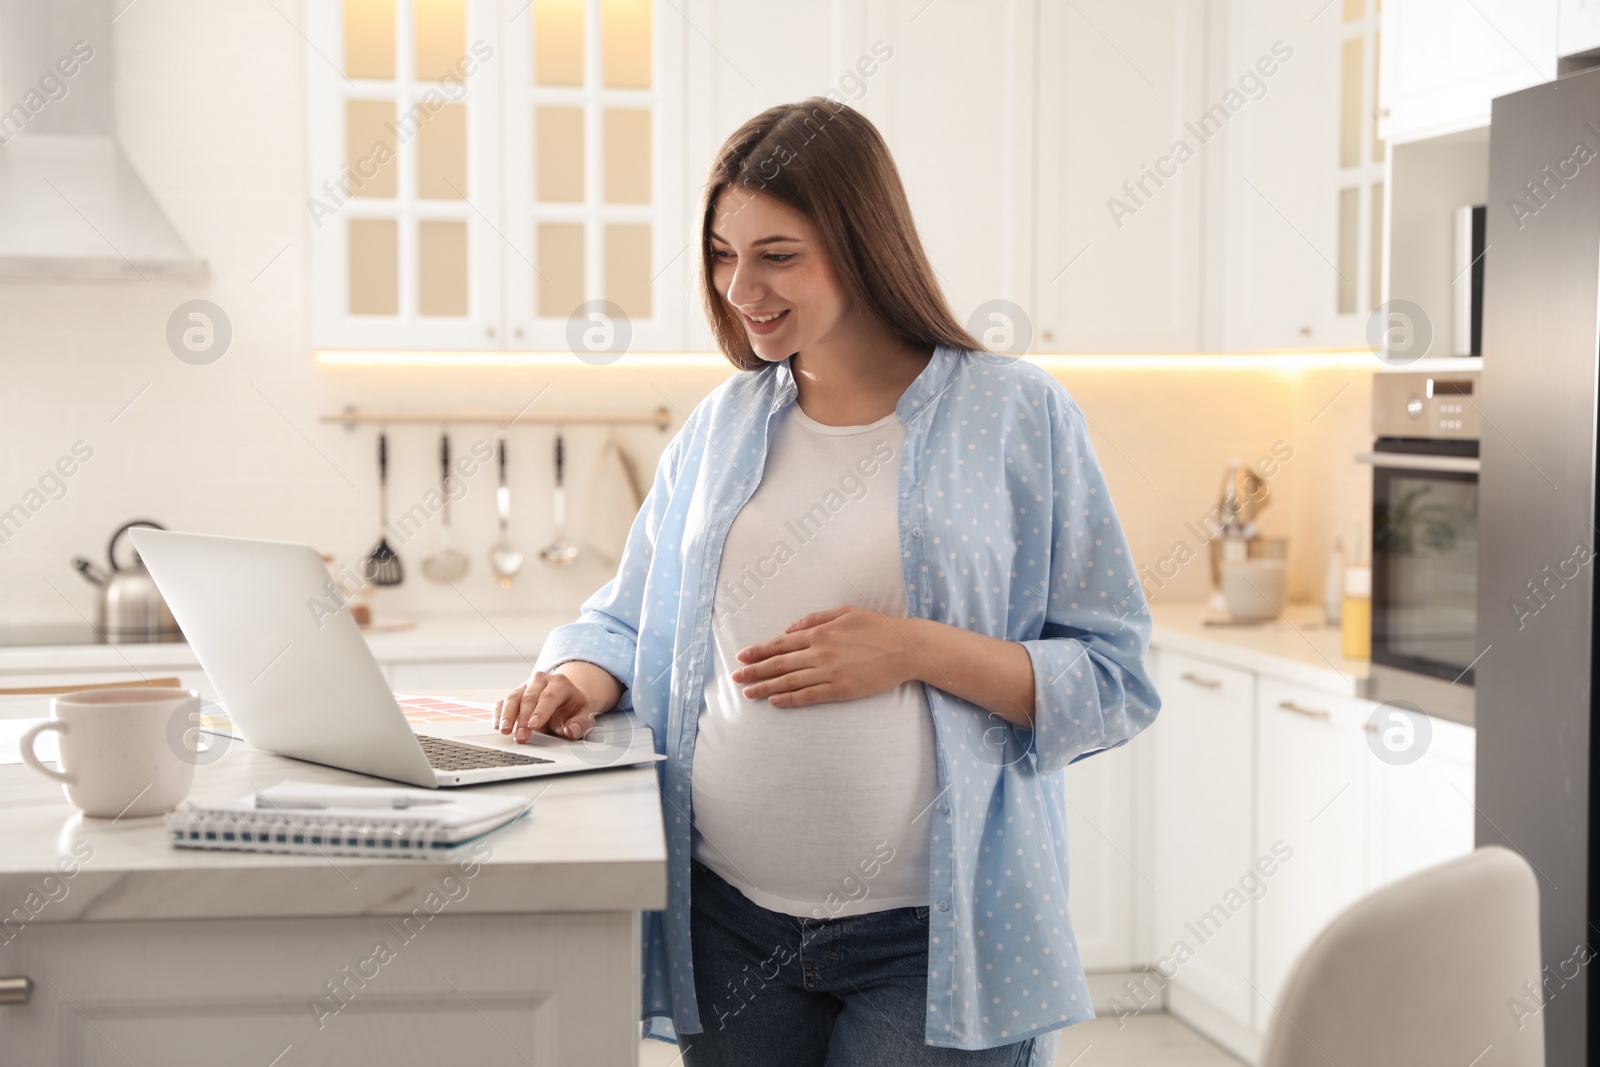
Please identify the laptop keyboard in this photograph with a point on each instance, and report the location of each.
(453, 756)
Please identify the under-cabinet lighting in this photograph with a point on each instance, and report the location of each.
(565, 360)
(1358, 359)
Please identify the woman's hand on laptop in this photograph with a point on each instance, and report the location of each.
(563, 702)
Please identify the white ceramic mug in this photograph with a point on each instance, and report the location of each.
(122, 752)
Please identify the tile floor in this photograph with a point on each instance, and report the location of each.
(1153, 1039)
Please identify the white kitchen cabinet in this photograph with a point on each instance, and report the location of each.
(1444, 61)
(1275, 789)
(1204, 832)
(1100, 797)
(1578, 28)
(727, 81)
(512, 988)
(963, 144)
(1312, 763)
(1117, 265)
(595, 188)
(485, 176)
(403, 190)
(1277, 256)
(1010, 177)
(1421, 813)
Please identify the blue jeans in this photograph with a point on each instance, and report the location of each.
(782, 991)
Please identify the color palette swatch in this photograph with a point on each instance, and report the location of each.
(442, 709)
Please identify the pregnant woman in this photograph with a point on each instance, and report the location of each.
(876, 600)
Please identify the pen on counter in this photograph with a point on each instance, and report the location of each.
(389, 801)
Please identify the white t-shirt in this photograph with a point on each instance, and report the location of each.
(821, 810)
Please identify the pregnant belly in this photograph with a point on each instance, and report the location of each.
(796, 801)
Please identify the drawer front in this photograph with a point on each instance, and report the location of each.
(1189, 681)
(417, 988)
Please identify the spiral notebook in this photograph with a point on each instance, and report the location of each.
(342, 820)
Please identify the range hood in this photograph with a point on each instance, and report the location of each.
(71, 205)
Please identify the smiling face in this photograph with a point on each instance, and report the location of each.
(769, 265)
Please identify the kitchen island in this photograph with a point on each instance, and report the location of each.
(524, 948)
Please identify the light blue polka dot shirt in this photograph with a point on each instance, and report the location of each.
(1006, 529)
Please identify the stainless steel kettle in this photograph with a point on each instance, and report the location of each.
(132, 610)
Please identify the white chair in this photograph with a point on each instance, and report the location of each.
(1421, 972)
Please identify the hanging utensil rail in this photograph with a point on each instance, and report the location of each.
(661, 418)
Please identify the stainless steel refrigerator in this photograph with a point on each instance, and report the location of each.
(1537, 533)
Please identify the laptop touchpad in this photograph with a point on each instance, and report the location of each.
(499, 740)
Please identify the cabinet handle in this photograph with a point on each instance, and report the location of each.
(1310, 713)
(1203, 683)
(16, 990)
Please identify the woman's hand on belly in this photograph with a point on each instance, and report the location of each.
(852, 652)
(841, 654)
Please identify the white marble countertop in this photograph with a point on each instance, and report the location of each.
(1299, 647)
(594, 841)
(435, 639)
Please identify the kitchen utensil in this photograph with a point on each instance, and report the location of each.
(387, 625)
(355, 600)
(1255, 588)
(131, 609)
(615, 497)
(1333, 583)
(382, 565)
(445, 563)
(504, 560)
(122, 752)
(1244, 494)
(560, 552)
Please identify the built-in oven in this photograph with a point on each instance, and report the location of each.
(1424, 542)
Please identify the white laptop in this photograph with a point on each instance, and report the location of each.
(297, 678)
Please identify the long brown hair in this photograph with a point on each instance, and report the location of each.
(825, 160)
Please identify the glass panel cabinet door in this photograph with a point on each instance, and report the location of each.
(597, 209)
(404, 192)
(1359, 288)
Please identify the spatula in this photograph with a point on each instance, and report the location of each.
(382, 565)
